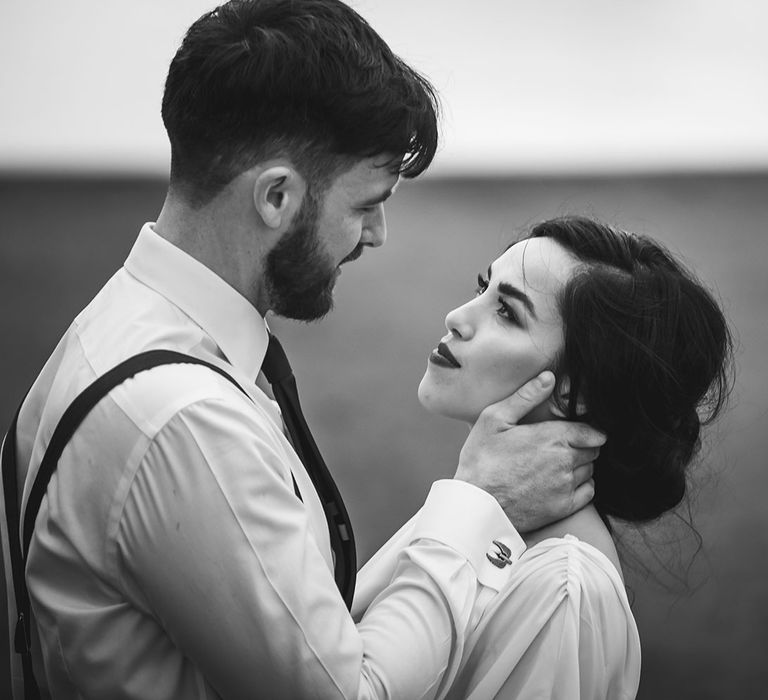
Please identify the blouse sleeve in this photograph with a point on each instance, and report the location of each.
(561, 629)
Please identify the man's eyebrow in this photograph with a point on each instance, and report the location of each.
(509, 290)
(377, 199)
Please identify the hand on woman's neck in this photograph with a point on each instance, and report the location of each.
(585, 524)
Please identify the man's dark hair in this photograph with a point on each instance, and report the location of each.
(305, 79)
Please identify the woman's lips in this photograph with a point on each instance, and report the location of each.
(443, 357)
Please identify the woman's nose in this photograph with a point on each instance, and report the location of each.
(459, 323)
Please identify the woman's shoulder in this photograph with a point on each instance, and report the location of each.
(566, 575)
(583, 533)
(574, 564)
(562, 617)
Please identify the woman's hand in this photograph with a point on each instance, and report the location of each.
(539, 473)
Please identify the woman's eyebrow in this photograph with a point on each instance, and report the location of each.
(509, 290)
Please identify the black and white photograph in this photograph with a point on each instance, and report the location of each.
(404, 349)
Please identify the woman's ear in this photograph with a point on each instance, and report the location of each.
(561, 396)
(277, 195)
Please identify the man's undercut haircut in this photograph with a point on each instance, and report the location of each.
(308, 80)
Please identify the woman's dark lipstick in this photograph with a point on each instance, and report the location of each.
(443, 357)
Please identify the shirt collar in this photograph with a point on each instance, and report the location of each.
(221, 311)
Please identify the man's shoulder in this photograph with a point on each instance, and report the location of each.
(153, 397)
(155, 393)
(126, 319)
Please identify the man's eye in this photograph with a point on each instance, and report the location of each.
(482, 285)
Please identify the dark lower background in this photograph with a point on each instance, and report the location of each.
(704, 623)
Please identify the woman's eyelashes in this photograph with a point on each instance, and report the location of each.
(504, 310)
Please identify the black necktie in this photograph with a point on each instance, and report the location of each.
(278, 372)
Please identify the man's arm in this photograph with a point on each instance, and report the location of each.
(221, 554)
(214, 545)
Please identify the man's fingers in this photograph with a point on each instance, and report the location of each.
(583, 495)
(585, 455)
(524, 400)
(582, 473)
(583, 435)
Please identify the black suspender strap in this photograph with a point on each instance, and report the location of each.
(69, 422)
(22, 640)
(80, 408)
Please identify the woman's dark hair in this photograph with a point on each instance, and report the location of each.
(308, 79)
(648, 350)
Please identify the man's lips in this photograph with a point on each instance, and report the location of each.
(444, 357)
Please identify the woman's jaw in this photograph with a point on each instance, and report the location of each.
(545, 411)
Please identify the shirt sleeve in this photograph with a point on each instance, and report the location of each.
(561, 629)
(214, 545)
(438, 518)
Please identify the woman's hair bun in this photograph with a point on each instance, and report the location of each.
(648, 351)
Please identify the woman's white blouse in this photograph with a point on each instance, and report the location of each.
(561, 627)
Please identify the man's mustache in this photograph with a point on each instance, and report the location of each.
(354, 255)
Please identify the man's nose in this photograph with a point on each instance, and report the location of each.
(375, 227)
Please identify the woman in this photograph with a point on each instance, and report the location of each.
(641, 351)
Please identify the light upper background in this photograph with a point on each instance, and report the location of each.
(554, 86)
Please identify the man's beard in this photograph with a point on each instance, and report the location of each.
(300, 275)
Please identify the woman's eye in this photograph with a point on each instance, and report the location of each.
(506, 311)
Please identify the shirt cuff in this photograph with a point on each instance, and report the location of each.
(470, 521)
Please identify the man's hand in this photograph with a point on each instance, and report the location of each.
(539, 473)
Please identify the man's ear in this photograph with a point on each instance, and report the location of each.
(562, 396)
(277, 195)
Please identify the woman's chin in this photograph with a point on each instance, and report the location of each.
(447, 410)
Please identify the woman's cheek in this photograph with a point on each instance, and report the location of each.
(514, 375)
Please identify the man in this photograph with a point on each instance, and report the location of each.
(181, 550)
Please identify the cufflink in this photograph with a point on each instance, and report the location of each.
(500, 558)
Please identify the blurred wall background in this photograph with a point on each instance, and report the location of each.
(650, 116)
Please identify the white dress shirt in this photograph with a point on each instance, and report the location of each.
(171, 557)
(560, 628)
